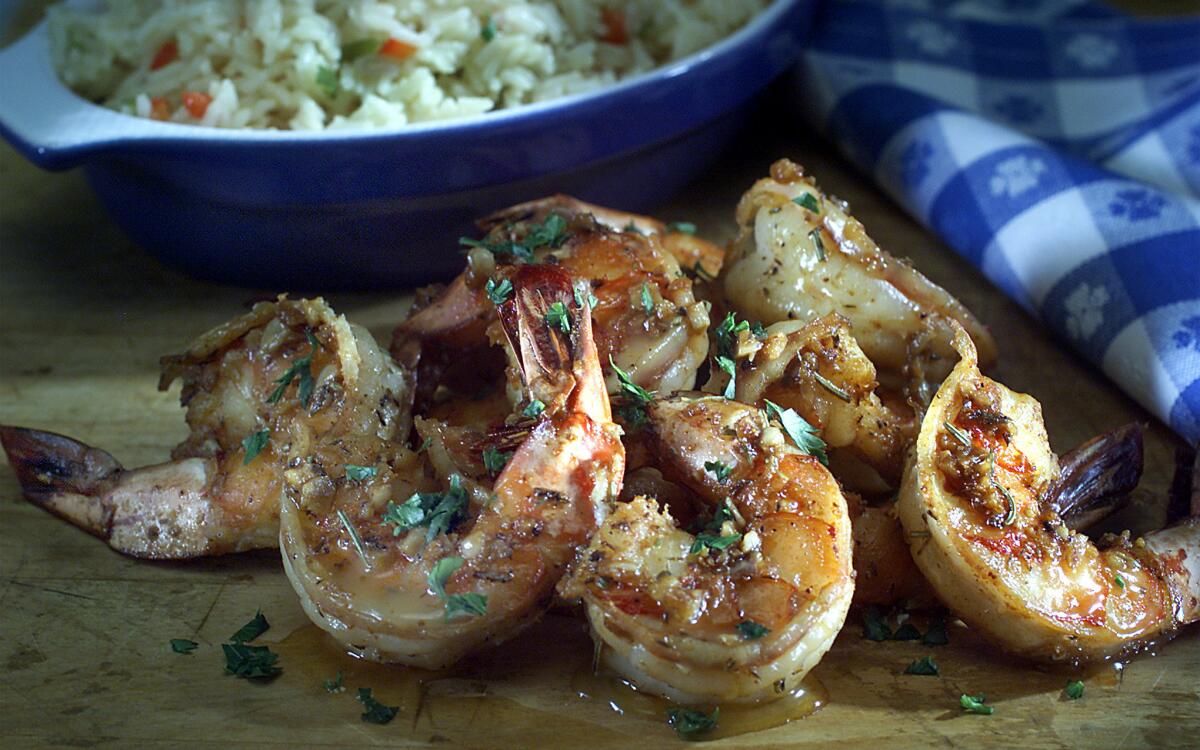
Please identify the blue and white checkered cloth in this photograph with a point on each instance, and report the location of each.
(1055, 145)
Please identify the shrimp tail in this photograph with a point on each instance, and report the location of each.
(62, 475)
(1097, 477)
(551, 330)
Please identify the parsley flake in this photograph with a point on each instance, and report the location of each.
(809, 201)
(727, 367)
(327, 81)
(639, 394)
(925, 667)
(581, 299)
(375, 712)
(1117, 579)
(751, 630)
(498, 293)
(250, 662)
(494, 461)
(973, 704)
(558, 317)
(727, 335)
(683, 227)
(718, 470)
(712, 541)
(1074, 690)
(875, 626)
(488, 32)
(470, 603)
(647, 300)
(803, 435)
(758, 330)
(251, 630)
(700, 273)
(357, 473)
(366, 47)
(336, 684)
(301, 368)
(687, 722)
(549, 233)
(499, 248)
(254, 444)
(936, 635)
(438, 511)
(534, 409)
(183, 645)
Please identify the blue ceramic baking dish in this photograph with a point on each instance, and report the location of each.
(384, 208)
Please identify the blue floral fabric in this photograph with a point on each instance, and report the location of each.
(1053, 143)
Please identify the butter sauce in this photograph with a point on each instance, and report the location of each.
(532, 688)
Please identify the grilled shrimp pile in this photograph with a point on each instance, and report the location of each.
(716, 452)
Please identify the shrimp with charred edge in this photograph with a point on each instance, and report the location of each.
(742, 609)
(983, 531)
(426, 580)
(259, 390)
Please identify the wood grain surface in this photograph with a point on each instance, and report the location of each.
(84, 316)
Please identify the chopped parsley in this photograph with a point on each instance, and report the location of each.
(498, 293)
(470, 603)
(327, 80)
(558, 317)
(365, 47)
(548, 233)
(973, 704)
(751, 630)
(254, 444)
(801, 433)
(818, 244)
(687, 722)
(499, 248)
(1074, 690)
(705, 540)
(251, 630)
(488, 32)
(727, 367)
(1117, 579)
(698, 271)
(809, 201)
(936, 635)
(494, 461)
(925, 666)
(638, 393)
(375, 712)
(727, 335)
(647, 300)
(438, 511)
(336, 684)
(250, 662)
(683, 227)
(183, 645)
(580, 299)
(718, 470)
(425, 445)
(875, 626)
(758, 330)
(301, 368)
(632, 227)
(907, 632)
(357, 473)
(534, 409)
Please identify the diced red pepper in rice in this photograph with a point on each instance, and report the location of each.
(397, 50)
(159, 109)
(614, 26)
(167, 54)
(196, 103)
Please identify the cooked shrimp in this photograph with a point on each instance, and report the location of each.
(800, 255)
(257, 390)
(743, 610)
(426, 581)
(818, 369)
(646, 315)
(990, 543)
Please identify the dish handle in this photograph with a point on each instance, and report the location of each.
(48, 123)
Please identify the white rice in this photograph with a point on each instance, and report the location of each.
(280, 63)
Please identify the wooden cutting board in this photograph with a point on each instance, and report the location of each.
(84, 317)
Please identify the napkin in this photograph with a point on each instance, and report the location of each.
(1056, 146)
